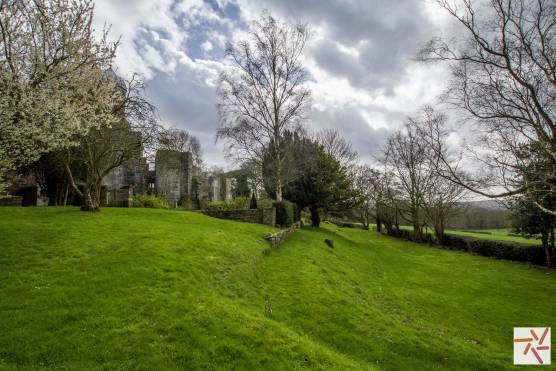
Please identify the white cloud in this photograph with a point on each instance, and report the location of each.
(359, 57)
(207, 46)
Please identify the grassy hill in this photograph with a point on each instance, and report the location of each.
(154, 289)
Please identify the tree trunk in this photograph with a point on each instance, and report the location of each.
(298, 209)
(417, 231)
(315, 218)
(439, 231)
(278, 179)
(378, 224)
(90, 200)
(366, 221)
(66, 195)
(551, 251)
(546, 246)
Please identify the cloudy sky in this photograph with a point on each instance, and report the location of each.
(364, 82)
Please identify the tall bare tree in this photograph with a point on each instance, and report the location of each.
(418, 191)
(443, 199)
(369, 187)
(504, 77)
(264, 95)
(337, 146)
(406, 156)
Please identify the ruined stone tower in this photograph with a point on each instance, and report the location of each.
(220, 188)
(174, 171)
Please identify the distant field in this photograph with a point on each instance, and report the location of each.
(500, 234)
(169, 290)
(495, 234)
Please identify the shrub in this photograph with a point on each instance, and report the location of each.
(497, 249)
(407, 234)
(296, 214)
(238, 203)
(187, 205)
(345, 224)
(265, 203)
(150, 201)
(284, 213)
(253, 203)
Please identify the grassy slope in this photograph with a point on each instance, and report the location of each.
(152, 289)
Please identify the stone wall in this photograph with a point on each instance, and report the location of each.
(133, 172)
(260, 216)
(174, 172)
(11, 201)
(120, 197)
(277, 238)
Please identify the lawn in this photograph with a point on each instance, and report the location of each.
(155, 289)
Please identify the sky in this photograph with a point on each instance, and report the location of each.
(364, 81)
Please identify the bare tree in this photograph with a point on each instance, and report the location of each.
(369, 186)
(264, 95)
(504, 77)
(181, 140)
(337, 146)
(406, 156)
(443, 198)
(441, 202)
(415, 187)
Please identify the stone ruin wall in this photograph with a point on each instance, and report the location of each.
(260, 216)
(220, 188)
(173, 176)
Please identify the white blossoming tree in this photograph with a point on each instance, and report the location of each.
(52, 90)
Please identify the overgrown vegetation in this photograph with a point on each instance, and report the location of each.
(285, 213)
(241, 203)
(150, 201)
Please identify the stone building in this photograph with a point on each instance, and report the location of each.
(124, 181)
(220, 187)
(173, 176)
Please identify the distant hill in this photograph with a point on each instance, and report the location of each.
(487, 204)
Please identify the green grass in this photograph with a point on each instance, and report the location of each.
(156, 289)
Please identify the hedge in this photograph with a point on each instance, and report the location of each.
(407, 234)
(497, 249)
(285, 213)
(238, 203)
(345, 224)
(490, 248)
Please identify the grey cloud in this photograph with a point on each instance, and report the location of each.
(184, 100)
(386, 33)
(383, 32)
(367, 141)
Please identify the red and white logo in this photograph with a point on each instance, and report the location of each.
(532, 346)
